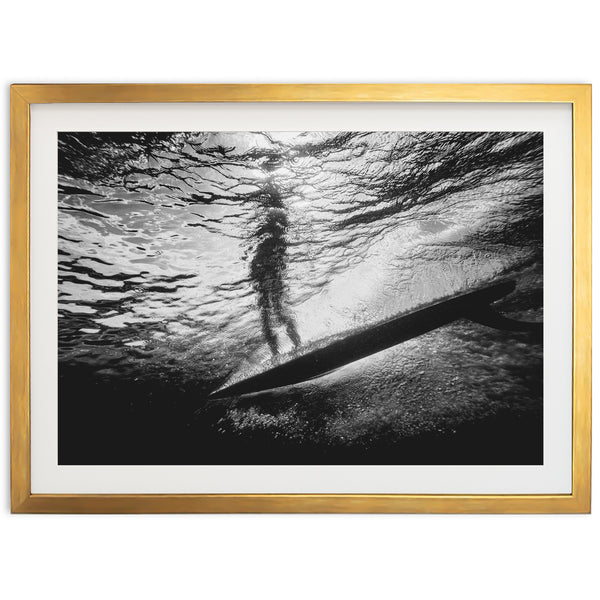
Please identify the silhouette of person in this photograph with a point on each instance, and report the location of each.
(268, 268)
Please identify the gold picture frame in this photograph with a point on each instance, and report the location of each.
(23, 501)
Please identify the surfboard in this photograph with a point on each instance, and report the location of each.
(473, 305)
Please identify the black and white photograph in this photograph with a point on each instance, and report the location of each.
(300, 298)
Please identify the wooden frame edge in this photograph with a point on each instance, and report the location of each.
(582, 293)
(20, 434)
(22, 501)
(304, 92)
(301, 503)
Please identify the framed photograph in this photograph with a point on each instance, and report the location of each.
(301, 298)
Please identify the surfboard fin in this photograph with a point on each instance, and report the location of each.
(486, 315)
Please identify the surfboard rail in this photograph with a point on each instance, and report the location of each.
(474, 305)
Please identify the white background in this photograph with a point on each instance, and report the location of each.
(464, 556)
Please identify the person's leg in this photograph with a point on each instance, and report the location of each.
(291, 329)
(286, 318)
(267, 325)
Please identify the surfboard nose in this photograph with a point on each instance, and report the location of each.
(218, 393)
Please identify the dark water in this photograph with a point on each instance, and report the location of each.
(186, 259)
